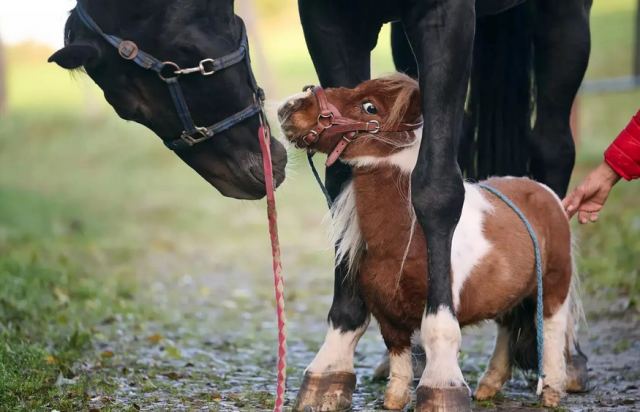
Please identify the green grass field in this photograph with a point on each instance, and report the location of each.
(89, 204)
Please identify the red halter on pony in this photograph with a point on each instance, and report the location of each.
(332, 123)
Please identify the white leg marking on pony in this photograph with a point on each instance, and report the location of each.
(398, 392)
(499, 369)
(336, 353)
(441, 339)
(555, 329)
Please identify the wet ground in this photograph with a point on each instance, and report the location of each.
(211, 344)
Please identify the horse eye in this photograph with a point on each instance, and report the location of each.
(369, 108)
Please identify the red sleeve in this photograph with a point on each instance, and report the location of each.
(624, 153)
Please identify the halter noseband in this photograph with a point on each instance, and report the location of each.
(169, 72)
(331, 123)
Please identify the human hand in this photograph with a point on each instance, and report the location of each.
(590, 196)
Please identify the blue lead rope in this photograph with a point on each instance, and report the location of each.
(538, 261)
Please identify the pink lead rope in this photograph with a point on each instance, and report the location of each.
(264, 135)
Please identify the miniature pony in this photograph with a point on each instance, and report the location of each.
(376, 129)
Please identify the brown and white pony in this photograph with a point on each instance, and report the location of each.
(492, 259)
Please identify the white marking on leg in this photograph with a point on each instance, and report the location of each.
(398, 392)
(469, 245)
(554, 364)
(337, 351)
(441, 339)
(499, 369)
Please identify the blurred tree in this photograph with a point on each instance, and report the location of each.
(3, 83)
(271, 8)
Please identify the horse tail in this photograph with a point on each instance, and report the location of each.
(495, 138)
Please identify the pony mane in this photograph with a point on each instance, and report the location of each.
(403, 88)
(345, 231)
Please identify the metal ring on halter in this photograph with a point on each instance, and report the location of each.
(165, 75)
(204, 70)
(304, 138)
(323, 118)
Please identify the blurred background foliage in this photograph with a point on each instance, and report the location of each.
(93, 210)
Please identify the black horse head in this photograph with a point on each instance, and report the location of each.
(184, 32)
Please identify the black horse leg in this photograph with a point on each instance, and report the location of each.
(562, 45)
(441, 35)
(403, 58)
(340, 48)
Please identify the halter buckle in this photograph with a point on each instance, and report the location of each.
(199, 135)
(376, 125)
(203, 68)
(128, 50)
(304, 139)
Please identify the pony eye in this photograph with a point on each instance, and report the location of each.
(369, 108)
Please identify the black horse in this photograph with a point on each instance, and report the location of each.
(434, 39)
(185, 33)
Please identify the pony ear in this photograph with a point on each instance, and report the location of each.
(75, 55)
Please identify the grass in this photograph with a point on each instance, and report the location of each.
(93, 210)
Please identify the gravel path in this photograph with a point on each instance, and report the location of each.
(213, 348)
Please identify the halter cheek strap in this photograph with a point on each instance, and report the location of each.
(331, 123)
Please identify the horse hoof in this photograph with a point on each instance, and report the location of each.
(395, 401)
(323, 392)
(551, 397)
(484, 392)
(577, 374)
(454, 399)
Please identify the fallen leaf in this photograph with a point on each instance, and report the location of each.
(51, 360)
(174, 376)
(107, 354)
(61, 295)
(173, 352)
(155, 338)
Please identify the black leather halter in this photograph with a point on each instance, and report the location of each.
(169, 72)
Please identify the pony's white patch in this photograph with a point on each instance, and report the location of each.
(398, 392)
(441, 339)
(499, 369)
(404, 159)
(555, 338)
(469, 245)
(336, 353)
(345, 229)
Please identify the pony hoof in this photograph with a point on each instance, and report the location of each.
(454, 399)
(484, 392)
(550, 397)
(395, 401)
(324, 392)
(577, 374)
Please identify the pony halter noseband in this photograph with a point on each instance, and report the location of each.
(169, 72)
(331, 123)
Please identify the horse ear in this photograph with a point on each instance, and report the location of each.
(75, 55)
